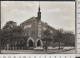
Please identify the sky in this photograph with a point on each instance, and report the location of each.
(58, 14)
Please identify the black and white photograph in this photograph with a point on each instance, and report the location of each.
(37, 27)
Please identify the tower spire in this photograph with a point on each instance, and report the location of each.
(39, 13)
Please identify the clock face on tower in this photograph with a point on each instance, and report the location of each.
(39, 29)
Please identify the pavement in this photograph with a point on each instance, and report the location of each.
(66, 52)
(62, 51)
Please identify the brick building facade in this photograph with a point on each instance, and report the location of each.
(34, 28)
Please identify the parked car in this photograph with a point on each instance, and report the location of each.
(61, 47)
(39, 49)
(68, 47)
(56, 47)
(50, 48)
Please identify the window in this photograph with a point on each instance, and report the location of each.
(39, 22)
(39, 29)
(39, 35)
(25, 27)
(28, 26)
(11, 26)
(51, 31)
(39, 32)
(44, 28)
(39, 25)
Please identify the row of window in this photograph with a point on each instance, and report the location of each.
(27, 26)
(39, 27)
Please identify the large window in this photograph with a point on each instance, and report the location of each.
(27, 26)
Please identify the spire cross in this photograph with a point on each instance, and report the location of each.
(39, 6)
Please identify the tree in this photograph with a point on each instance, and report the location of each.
(59, 37)
(16, 34)
(5, 36)
(10, 34)
(69, 38)
(6, 33)
(47, 37)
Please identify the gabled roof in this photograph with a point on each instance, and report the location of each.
(35, 18)
(30, 19)
(48, 25)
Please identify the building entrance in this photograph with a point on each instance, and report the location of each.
(39, 43)
(30, 43)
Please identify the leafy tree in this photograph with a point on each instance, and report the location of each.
(66, 38)
(47, 37)
(4, 37)
(59, 37)
(11, 34)
(69, 39)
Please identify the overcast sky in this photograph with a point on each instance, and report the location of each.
(56, 13)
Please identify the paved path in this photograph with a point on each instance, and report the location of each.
(67, 52)
(37, 52)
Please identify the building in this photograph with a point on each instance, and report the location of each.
(30, 34)
(33, 31)
(34, 28)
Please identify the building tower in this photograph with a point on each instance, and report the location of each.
(39, 41)
(39, 22)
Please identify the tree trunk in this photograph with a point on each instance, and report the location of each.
(46, 44)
